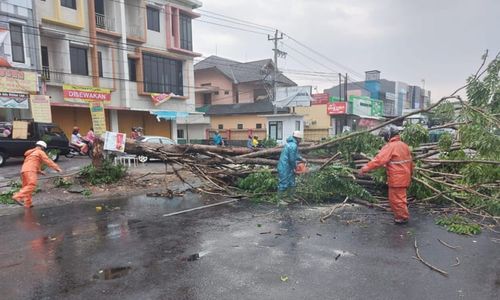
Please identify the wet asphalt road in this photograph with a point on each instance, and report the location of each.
(12, 168)
(128, 250)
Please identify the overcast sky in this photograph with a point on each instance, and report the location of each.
(440, 41)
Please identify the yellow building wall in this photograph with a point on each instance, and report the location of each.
(128, 119)
(232, 121)
(315, 113)
(68, 117)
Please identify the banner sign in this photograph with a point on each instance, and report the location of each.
(377, 108)
(98, 117)
(336, 108)
(18, 81)
(365, 106)
(40, 108)
(114, 141)
(14, 100)
(160, 98)
(320, 99)
(293, 96)
(79, 94)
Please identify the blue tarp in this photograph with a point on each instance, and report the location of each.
(169, 115)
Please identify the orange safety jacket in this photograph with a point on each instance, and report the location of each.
(33, 161)
(396, 157)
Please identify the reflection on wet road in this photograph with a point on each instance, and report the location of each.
(128, 250)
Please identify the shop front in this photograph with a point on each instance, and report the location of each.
(15, 89)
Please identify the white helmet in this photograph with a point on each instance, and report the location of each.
(298, 134)
(42, 144)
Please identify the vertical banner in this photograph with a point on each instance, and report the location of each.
(98, 117)
(40, 108)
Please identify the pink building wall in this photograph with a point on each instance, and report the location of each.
(216, 79)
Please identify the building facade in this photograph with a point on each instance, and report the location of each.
(136, 56)
(19, 58)
(236, 95)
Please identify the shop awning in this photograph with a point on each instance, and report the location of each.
(169, 115)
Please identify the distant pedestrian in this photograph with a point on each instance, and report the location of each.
(397, 159)
(255, 141)
(217, 139)
(250, 142)
(29, 173)
(133, 133)
(288, 162)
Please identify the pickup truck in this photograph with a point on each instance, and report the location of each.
(55, 138)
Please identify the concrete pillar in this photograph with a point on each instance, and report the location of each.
(113, 115)
(123, 57)
(174, 130)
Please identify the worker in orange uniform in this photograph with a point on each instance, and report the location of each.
(397, 159)
(29, 173)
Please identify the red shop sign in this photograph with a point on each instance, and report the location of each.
(320, 99)
(336, 108)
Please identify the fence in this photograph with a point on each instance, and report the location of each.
(317, 134)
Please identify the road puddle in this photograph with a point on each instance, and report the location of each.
(113, 273)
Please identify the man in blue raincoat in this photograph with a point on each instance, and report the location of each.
(288, 161)
(217, 139)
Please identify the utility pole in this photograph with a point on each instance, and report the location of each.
(277, 53)
(340, 87)
(345, 87)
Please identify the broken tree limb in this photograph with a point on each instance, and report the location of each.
(329, 160)
(426, 263)
(448, 245)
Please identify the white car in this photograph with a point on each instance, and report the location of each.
(155, 140)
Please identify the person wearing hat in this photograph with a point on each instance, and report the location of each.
(288, 162)
(397, 159)
(29, 173)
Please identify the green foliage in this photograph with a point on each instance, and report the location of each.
(366, 143)
(261, 185)
(60, 182)
(259, 182)
(414, 135)
(445, 141)
(268, 143)
(107, 174)
(458, 224)
(444, 113)
(87, 193)
(332, 182)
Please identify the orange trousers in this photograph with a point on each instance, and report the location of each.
(29, 185)
(399, 205)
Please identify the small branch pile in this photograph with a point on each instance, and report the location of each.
(461, 169)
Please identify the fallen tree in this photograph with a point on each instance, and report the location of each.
(460, 170)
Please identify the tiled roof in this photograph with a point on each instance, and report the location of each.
(260, 107)
(260, 70)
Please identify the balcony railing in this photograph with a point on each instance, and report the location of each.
(104, 22)
(135, 30)
(52, 76)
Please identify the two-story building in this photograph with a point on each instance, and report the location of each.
(19, 59)
(136, 56)
(237, 95)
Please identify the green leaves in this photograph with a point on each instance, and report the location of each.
(108, 173)
(458, 224)
(414, 135)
